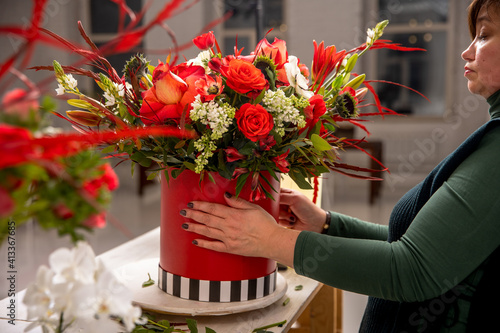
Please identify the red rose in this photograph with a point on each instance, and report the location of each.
(243, 77)
(254, 121)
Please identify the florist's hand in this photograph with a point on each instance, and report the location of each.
(300, 213)
(240, 228)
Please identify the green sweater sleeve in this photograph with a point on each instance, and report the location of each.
(350, 227)
(455, 231)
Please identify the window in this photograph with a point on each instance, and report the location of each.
(104, 17)
(425, 24)
(243, 23)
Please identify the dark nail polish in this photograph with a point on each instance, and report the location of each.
(182, 212)
(190, 205)
(195, 242)
(228, 195)
(185, 226)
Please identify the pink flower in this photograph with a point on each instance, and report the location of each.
(7, 204)
(96, 221)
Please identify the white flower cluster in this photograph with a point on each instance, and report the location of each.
(115, 93)
(218, 118)
(78, 294)
(201, 60)
(283, 110)
(66, 83)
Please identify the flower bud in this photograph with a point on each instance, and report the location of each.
(361, 93)
(356, 82)
(83, 117)
(58, 70)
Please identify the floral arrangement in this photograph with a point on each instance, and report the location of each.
(56, 178)
(264, 111)
(77, 293)
(61, 183)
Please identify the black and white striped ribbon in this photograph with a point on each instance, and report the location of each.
(216, 291)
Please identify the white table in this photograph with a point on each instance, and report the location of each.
(147, 246)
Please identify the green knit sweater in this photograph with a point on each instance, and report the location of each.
(453, 233)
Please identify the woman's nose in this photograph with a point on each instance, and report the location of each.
(468, 54)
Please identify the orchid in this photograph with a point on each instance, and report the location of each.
(296, 79)
(78, 293)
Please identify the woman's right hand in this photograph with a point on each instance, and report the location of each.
(299, 212)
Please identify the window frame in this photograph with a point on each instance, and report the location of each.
(370, 16)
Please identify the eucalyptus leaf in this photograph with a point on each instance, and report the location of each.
(320, 143)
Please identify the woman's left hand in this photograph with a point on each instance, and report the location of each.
(240, 228)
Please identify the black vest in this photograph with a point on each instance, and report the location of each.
(383, 316)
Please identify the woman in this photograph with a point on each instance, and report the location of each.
(431, 269)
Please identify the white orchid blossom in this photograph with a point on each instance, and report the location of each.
(80, 290)
(296, 79)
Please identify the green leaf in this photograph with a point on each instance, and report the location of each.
(240, 182)
(298, 287)
(190, 148)
(337, 83)
(189, 165)
(300, 180)
(192, 325)
(48, 103)
(108, 149)
(152, 175)
(209, 330)
(141, 158)
(320, 143)
(260, 97)
(149, 282)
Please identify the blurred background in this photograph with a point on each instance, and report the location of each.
(409, 144)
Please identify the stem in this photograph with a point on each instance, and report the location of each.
(156, 324)
(61, 320)
(281, 323)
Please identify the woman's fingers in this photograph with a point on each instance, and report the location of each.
(211, 245)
